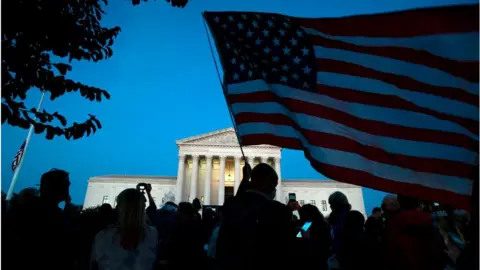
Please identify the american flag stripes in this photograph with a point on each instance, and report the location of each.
(18, 156)
(387, 101)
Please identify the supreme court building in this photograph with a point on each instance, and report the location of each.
(210, 168)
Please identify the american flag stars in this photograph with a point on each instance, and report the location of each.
(265, 46)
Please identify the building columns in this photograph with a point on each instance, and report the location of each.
(180, 175)
(208, 181)
(279, 195)
(237, 174)
(221, 182)
(250, 161)
(193, 181)
(207, 199)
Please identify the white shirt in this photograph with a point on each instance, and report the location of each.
(110, 255)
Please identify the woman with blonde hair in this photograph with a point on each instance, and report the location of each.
(131, 244)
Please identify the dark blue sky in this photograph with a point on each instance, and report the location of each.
(164, 87)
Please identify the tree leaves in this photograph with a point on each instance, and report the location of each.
(70, 30)
(63, 68)
(178, 3)
(42, 123)
(36, 30)
(60, 118)
(174, 3)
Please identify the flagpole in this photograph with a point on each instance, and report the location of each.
(20, 162)
(244, 184)
(224, 88)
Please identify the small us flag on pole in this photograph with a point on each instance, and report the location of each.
(387, 101)
(18, 156)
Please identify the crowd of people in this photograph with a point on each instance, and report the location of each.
(250, 231)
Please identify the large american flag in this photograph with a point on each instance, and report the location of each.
(387, 101)
(18, 157)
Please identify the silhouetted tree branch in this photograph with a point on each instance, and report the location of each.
(174, 3)
(36, 31)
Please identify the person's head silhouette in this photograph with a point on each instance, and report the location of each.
(55, 185)
(131, 218)
(264, 179)
(408, 203)
(186, 208)
(197, 205)
(354, 222)
(338, 201)
(310, 213)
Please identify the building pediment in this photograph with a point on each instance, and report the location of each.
(223, 137)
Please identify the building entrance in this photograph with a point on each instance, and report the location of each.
(229, 193)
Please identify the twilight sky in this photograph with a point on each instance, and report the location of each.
(164, 87)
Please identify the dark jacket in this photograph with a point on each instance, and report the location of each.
(316, 250)
(412, 242)
(355, 252)
(374, 227)
(35, 237)
(256, 233)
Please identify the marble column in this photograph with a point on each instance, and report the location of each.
(208, 181)
(250, 161)
(221, 182)
(279, 196)
(263, 159)
(180, 175)
(237, 174)
(194, 179)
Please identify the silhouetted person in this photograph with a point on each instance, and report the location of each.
(131, 244)
(340, 207)
(209, 222)
(212, 241)
(85, 227)
(165, 221)
(294, 207)
(37, 236)
(197, 207)
(106, 215)
(355, 249)
(256, 232)
(466, 258)
(412, 241)
(21, 204)
(390, 206)
(20, 212)
(151, 210)
(374, 224)
(319, 241)
(185, 248)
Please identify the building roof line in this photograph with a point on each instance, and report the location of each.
(181, 141)
(287, 182)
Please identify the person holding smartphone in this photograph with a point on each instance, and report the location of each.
(316, 238)
(294, 206)
(151, 210)
(147, 188)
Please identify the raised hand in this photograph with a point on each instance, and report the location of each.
(148, 187)
(246, 171)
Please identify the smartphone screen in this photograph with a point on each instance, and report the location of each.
(304, 228)
(141, 188)
(452, 238)
(292, 196)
